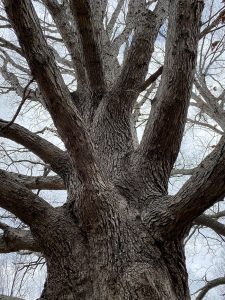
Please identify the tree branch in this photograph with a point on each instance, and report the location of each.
(151, 79)
(112, 22)
(204, 188)
(40, 182)
(3, 297)
(146, 28)
(215, 22)
(67, 31)
(207, 125)
(20, 201)
(217, 215)
(207, 221)
(25, 96)
(48, 152)
(185, 172)
(6, 44)
(209, 285)
(13, 80)
(13, 240)
(65, 116)
(90, 44)
(118, 103)
(163, 133)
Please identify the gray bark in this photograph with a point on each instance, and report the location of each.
(119, 235)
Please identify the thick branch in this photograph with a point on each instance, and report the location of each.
(90, 44)
(146, 26)
(204, 188)
(162, 137)
(210, 285)
(114, 17)
(115, 110)
(207, 221)
(48, 152)
(13, 240)
(40, 182)
(151, 79)
(20, 201)
(56, 94)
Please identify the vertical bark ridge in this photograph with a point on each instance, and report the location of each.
(115, 142)
(90, 46)
(162, 137)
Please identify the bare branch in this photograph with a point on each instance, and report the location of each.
(14, 82)
(207, 125)
(114, 17)
(207, 221)
(90, 44)
(40, 182)
(203, 189)
(209, 285)
(6, 44)
(48, 152)
(215, 23)
(20, 201)
(13, 240)
(164, 130)
(68, 33)
(217, 215)
(151, 79)
(185, 172)
(3, 297)
(146, 28)
(56, 94)
(25, 96)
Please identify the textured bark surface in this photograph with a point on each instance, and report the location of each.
(119, 235)
(118, 259)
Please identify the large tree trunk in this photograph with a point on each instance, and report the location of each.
(115, 259)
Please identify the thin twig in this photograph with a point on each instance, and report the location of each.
(24, 98)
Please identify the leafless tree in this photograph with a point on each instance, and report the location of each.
(93, 65)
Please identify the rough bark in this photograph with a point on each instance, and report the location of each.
(119, 235)
(13, 240)
(122, 261)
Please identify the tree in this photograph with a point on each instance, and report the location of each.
(119, 235)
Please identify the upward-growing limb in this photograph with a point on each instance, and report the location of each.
(146, 25)
(89, 44)
(114, 112)
(58, 99)
(204, 188)
(163, 133)
(68, 33)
